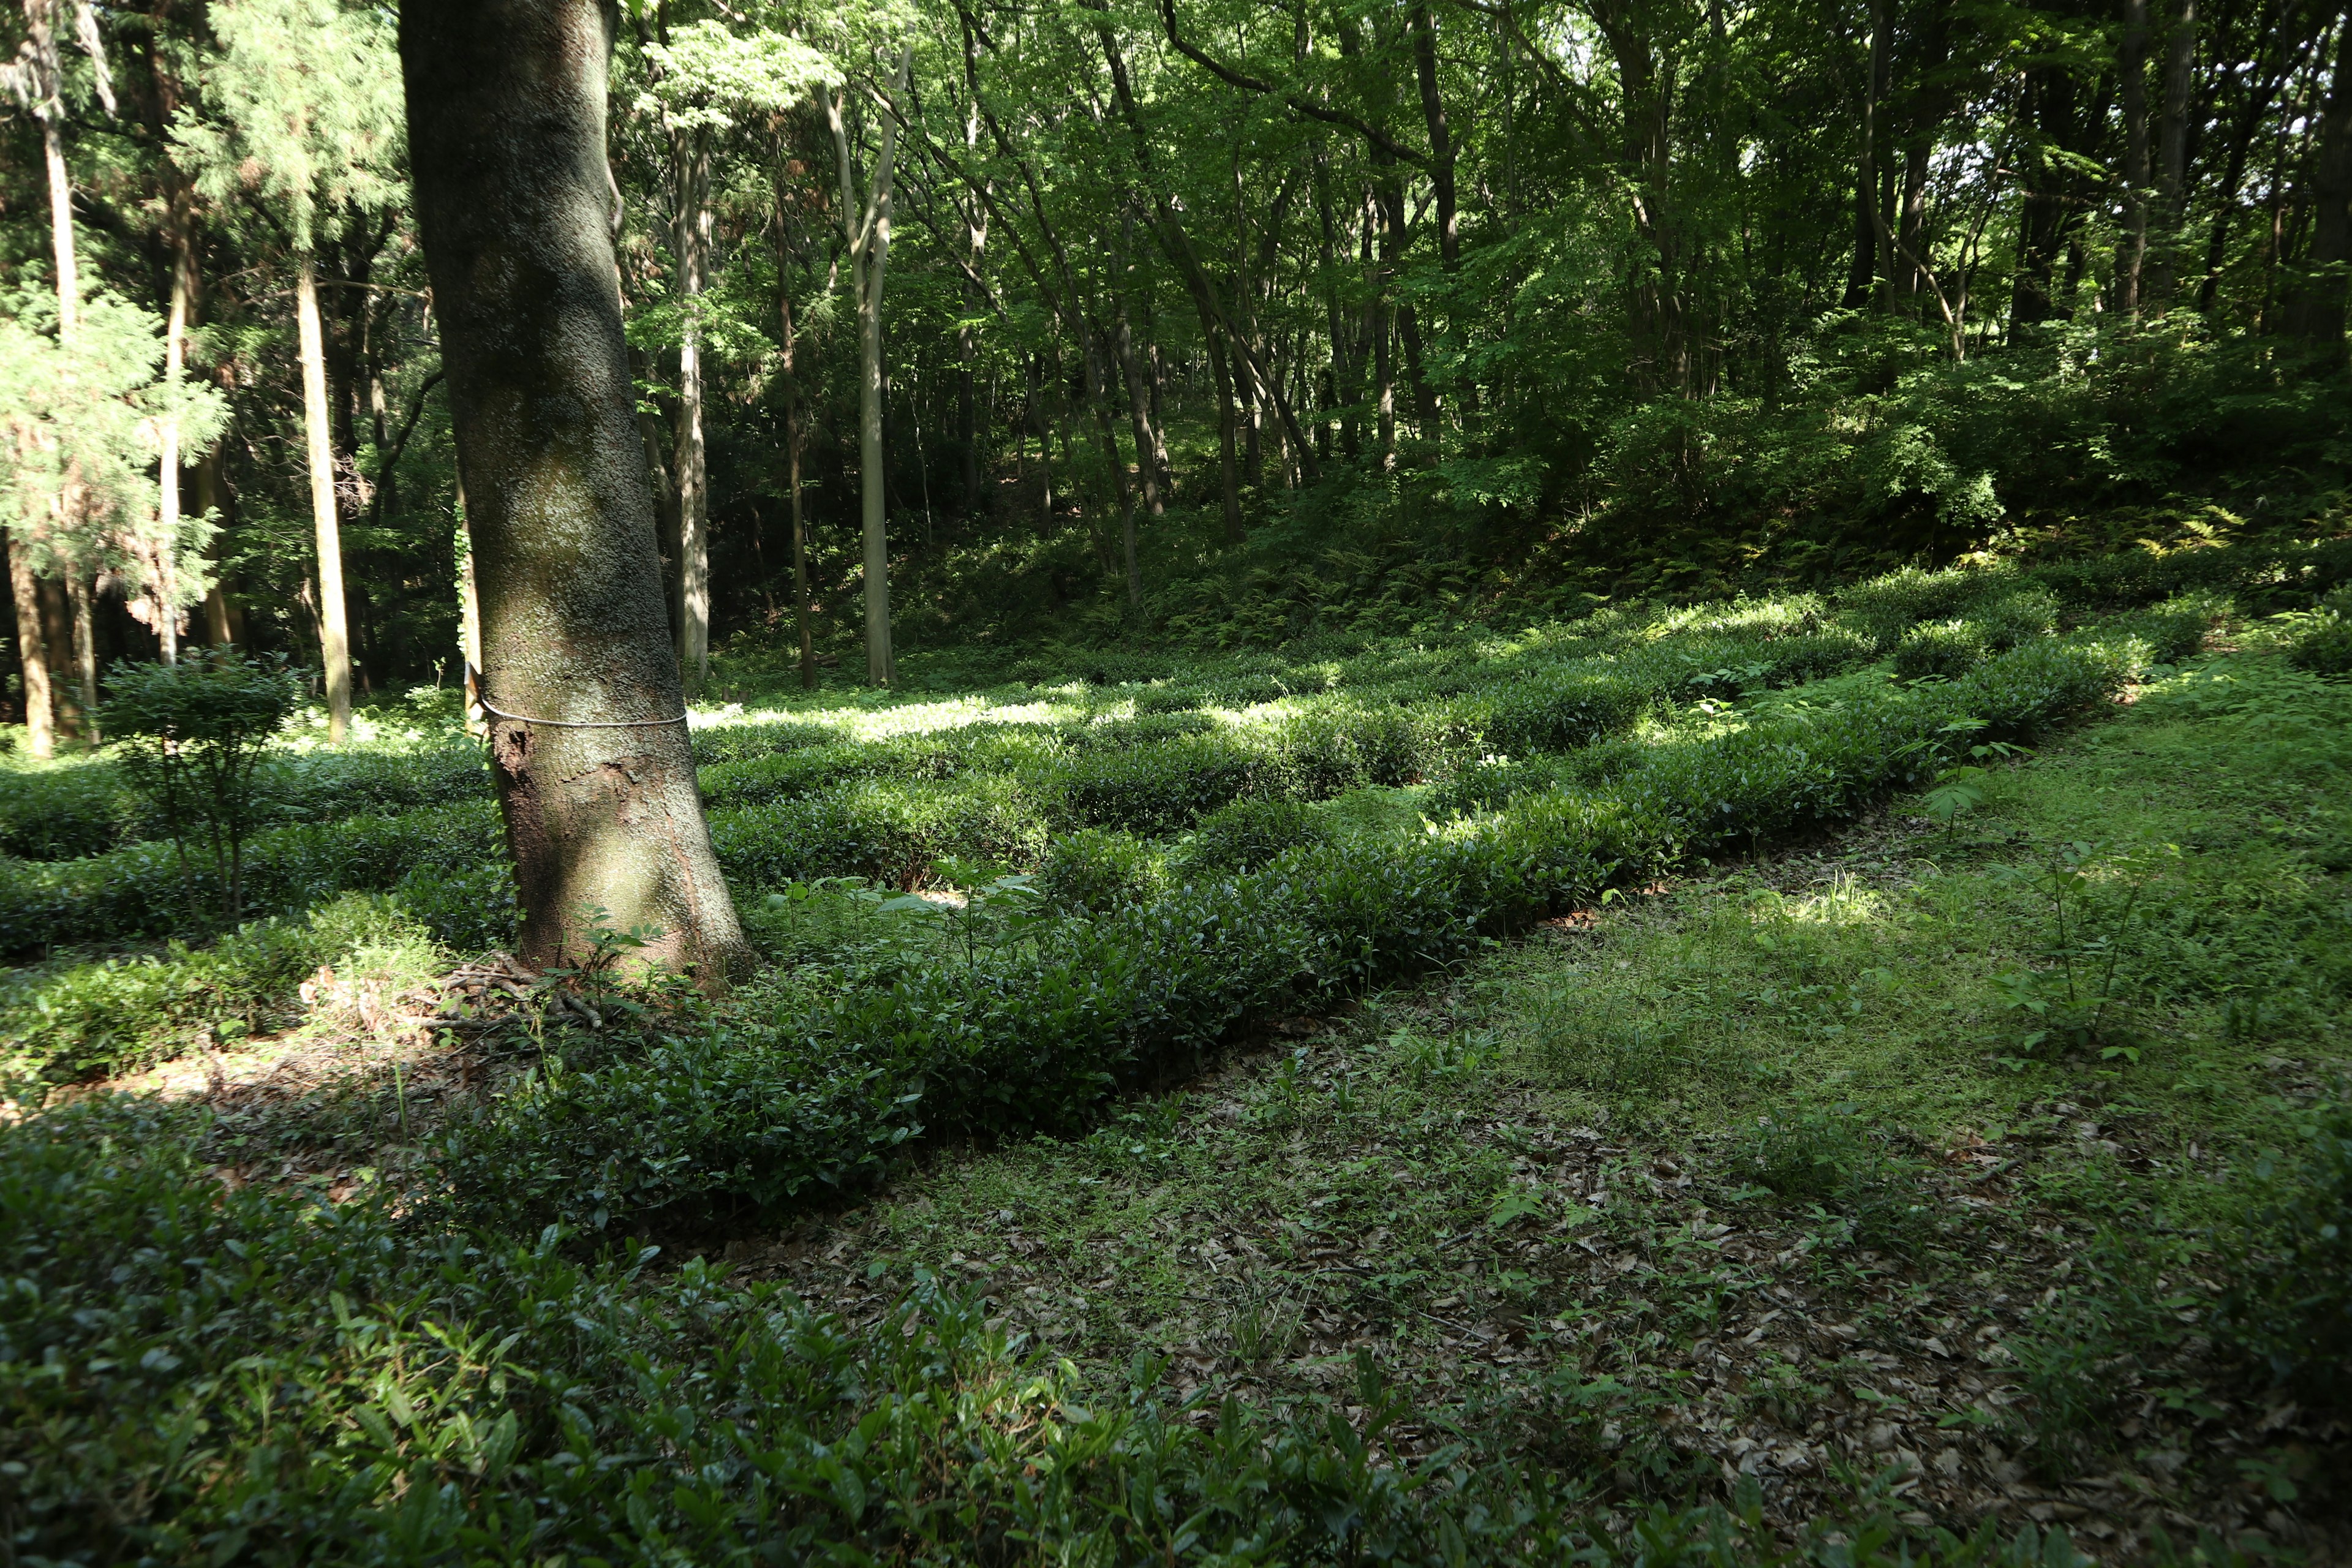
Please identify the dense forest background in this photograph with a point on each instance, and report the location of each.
(1202, 321)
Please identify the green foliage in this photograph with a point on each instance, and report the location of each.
(1093, 871)
(1033, 1034)
(2289, 1261)
(1248, 834)
(191, 736)
(92, 1020)
(2324, 644)
(286, 868)
(261, 1374)
(1940, 650)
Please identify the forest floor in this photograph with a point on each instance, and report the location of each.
(1761, 1173)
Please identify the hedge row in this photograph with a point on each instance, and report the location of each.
(138, 891)
(194, 1375)
(86, 808)
(759, 1116)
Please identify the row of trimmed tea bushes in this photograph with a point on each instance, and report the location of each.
(87, 808)
(140, 889)
(95, 1020)
(194, 1374)
(992, 793)
(753, 1115)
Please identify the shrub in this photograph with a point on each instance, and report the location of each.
(886, 830)
(732, 742)
(1090, 871)
(2325, 645)
(190, 736)
(1160, 788)
(1884, 608)
(1247, 834)
(1559, 710)
(2015, 618)
(288, 869)
(1032, 1035)
(1941, 650)
(469, 909)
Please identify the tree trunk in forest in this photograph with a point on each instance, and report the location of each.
(506, 127)
(801, 611)
(2131, 249)
(223, 622)
(868, 229)
(32, 653)
(1229, 475)
(2162, 272)
(469, 617)
(79, 595)
(2315, 307)
(167, 465)
(1139, 407)
(690, 156)
(334, 629)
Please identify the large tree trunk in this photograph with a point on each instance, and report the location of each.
(692, 155)
(334, 629)
(506, 128)
(31, 654)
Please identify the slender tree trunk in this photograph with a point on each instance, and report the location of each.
(334, 629)
(691, 153)
(869, 255)
(802, 610)
(470, 616)
(2172, 155)
(1138, 408)
(61, 236)
(2131, 249)
(80, 595)
(2314, 310)
(167, 509)
(505, 129)
(222, 619)
(1229, 476)
(31, 654)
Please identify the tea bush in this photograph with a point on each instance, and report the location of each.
(1090, 871)
(1034, 1034)
(1247, 834)
(1940, 650)
(287, 868)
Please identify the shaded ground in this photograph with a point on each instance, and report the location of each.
(1761, 1175)
(1892, 1162)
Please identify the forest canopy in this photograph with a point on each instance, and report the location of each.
(1188, 319)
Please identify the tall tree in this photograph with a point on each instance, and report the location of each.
(588, 739)
(301, 114)
(866, 224)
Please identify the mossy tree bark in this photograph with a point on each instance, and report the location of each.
(507, 125)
